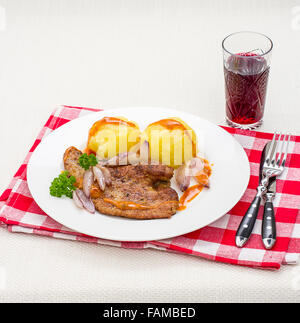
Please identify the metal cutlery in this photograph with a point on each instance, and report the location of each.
(271, 166)
(268, 229)
(246, 226)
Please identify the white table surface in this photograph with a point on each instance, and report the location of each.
(132, 53)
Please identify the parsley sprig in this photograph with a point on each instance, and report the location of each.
(85, 161)
(63, 185)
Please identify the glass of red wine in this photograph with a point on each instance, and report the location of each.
(247, 57)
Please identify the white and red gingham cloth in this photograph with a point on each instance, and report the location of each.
(20, 213)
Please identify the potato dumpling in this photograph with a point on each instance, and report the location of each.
(112, 135)
(172, 142)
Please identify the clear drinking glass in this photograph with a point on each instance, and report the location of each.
(247, 57)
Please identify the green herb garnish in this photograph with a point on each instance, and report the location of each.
(85, 161)
(63, 185)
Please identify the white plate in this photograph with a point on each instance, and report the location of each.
(228, 181)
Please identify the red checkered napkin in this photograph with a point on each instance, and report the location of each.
(20, 213)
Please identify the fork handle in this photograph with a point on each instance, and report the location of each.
(269, 224)
(246, 226)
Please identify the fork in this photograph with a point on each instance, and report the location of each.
(273, 166)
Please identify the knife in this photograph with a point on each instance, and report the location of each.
(247, 224)
(268, 230)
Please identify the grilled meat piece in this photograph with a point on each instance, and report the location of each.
(136, 191)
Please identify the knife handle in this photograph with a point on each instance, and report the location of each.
(269, 224)
(246, 226)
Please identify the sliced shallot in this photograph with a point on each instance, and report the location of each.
(106, 174)
(145, 152)
(86, 201)
(135, 148)
(102, 162)
(196, 166)
(99, 177)
(114, 161)
(88, 180)
(197, 170)
(123, 158)
(182, 178)
(133, 158)
(77, 201)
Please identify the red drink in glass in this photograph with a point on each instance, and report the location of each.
(245, 89)
(246, 79)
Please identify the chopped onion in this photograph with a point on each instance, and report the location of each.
(88, 180)
(99, 177)
(86, 201)
(182, 178)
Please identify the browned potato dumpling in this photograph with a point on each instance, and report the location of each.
(171, 142)
(111, 136)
